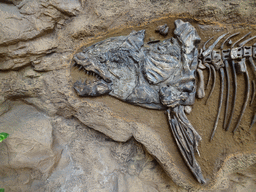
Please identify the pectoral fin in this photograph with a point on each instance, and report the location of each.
(186, 138)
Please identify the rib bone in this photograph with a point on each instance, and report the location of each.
(246, 98)
(246, 41)
(234, 97)
(222, 46)
(228, 90)
(220, 102)
(210, 49)
(213, 84)
(253, 92)
(240, 39)
(209, 76)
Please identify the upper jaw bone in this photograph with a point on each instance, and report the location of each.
(90, 68)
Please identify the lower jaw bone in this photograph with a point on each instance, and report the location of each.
(92, 89)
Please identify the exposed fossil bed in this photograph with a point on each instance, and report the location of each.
(61, 142)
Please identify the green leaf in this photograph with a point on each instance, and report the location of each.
(2, 137)
(1, 190)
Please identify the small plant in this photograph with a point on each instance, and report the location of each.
(2, 137)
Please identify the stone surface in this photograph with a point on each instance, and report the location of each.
(60, 142)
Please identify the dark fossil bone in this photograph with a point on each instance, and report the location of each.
(228, 91)
(204, 46)
(240, 39)
(210, 48)
(220, 102)
(246, 41)
(225, 58)
(234, 94)
(209, 75)
(253, 92)
(238, 57)
(200, 90)
(247, 80)
(253, 121)
(233, 35)
(159, 76)
(213, 84)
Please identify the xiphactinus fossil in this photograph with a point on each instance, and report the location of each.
(160, 75)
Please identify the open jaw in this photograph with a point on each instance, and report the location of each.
(96, 87)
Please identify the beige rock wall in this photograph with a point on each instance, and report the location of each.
(60, 142)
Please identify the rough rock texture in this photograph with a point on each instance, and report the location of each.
(60, 142)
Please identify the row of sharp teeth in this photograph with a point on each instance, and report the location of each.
(80, 67)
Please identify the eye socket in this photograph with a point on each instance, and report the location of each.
(102, 58)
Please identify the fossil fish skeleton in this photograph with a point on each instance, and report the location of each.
(222, 60)
(158, 75)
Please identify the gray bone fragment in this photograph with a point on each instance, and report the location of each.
(162, 29)
(241, 66)
(188, 109)
(236, 53)
(200, 65)
(200, 89)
